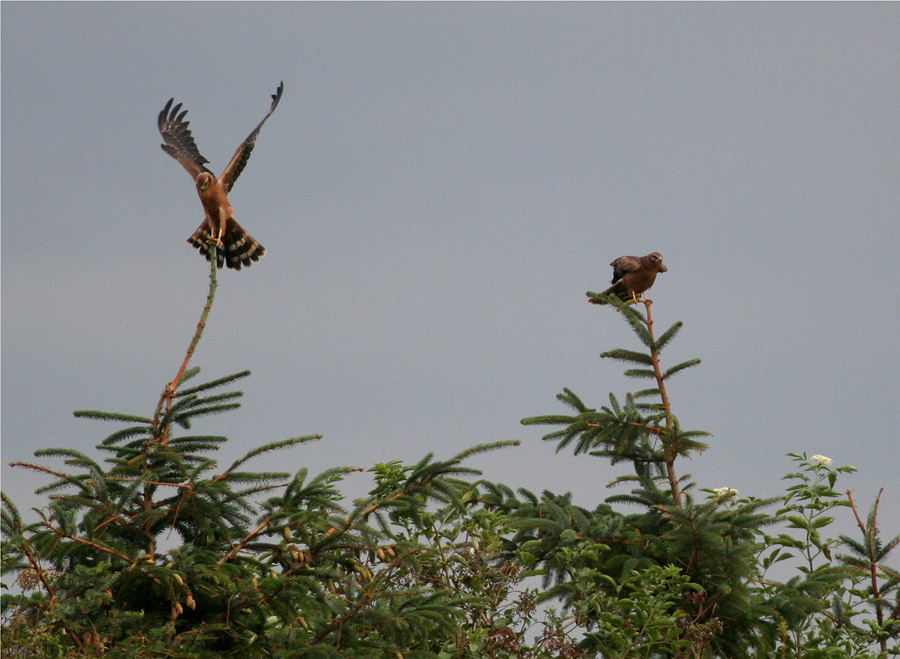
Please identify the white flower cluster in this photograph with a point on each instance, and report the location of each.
(823, 460)
(725, 491)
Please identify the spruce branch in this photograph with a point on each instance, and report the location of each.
(266, 448)
(680, 367)
(484, 448)
(64, 478)
(243, 543)
(872, 555)
(121, 435)
(165, 400)
(627, 356)
(212, 384)
(670, 451)
(668, 335)
(642, 324)
(110, 416)
(12, 526)
(112, 552)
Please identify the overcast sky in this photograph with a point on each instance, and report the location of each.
(439, 186)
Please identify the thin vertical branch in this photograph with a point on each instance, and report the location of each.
(165, 400)
(169, 392)
(869, 537)
(669, 450)
(37, 568)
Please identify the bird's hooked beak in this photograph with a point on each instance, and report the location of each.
(663, 268)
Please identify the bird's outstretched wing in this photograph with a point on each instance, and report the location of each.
(179, 142)
(242, 155)
(623, 265)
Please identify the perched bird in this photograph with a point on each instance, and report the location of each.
(238, 247)
(632, 275)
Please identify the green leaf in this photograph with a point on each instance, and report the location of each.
(819, 522)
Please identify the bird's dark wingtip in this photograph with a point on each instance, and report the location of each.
(277, 95)
(165, 113)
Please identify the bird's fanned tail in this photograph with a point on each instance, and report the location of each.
(238, 249)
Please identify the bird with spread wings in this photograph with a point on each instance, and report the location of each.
(238, 247)
(632, 275)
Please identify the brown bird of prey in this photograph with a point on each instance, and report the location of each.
(237, 246)
(632, 275)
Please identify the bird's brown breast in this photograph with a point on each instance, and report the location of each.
(640, 281)
(215, 201)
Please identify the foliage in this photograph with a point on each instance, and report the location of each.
(150, 548)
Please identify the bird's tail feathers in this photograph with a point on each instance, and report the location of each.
(200, 238)
(621, 296)
(238, 248)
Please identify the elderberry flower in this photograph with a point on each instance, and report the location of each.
(725, 491)
(821, 460)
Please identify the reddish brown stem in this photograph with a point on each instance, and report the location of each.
(111, 552)
(669, 448)
(869, 539)
(168, 394)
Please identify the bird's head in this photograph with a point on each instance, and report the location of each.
(656, 259)
(204, 180)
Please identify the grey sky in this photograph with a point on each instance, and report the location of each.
(439, 186)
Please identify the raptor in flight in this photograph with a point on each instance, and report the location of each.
(238, 247)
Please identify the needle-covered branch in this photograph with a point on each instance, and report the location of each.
(641, 432)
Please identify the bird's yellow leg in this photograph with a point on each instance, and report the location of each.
(221, 224)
